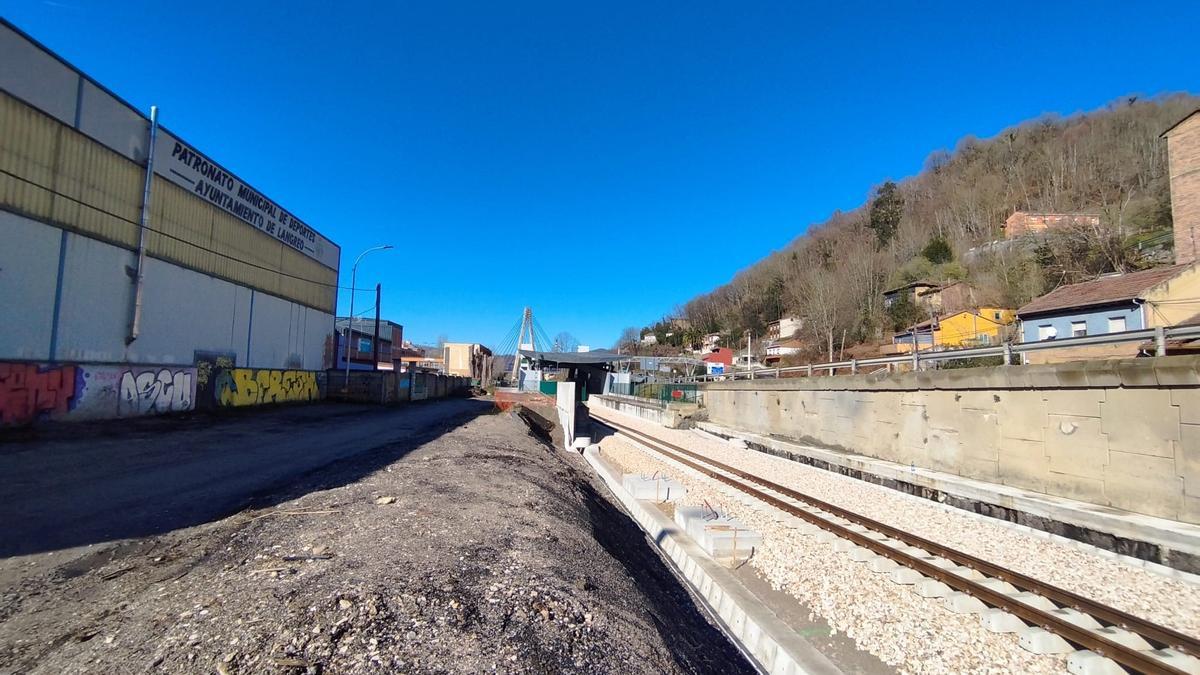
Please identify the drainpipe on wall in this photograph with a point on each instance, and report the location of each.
(139, 273)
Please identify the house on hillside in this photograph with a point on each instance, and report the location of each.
(912, 291)
(978, 327)
(1021, 223)
(720, 360)
(777, 349)
(1114, 303)
(784, 328)
(949, 298)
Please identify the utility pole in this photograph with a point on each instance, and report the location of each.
(375, 341)
(350, 318)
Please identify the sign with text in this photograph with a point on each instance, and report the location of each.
(183, 165)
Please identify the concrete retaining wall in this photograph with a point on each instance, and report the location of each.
(660, 412)
(1123, 433)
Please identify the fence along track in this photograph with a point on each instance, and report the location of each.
(1131, 659)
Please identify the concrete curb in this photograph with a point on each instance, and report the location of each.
(763, 636)
(1167, 535)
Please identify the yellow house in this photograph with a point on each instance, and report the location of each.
(973, 327)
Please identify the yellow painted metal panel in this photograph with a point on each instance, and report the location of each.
(100, 195)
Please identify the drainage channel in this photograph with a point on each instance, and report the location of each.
(1104, 633)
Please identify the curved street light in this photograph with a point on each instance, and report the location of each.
(350, 318)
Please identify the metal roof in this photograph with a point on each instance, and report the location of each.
(1107, 290)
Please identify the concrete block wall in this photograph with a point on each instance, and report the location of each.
(1121, 433)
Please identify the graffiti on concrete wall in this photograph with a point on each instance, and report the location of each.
(33, 392)
(249, 386)
(29, 391)
(152, 391)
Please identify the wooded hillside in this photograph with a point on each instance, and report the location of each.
(1111, 162)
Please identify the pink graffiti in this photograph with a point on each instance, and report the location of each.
(28, 390)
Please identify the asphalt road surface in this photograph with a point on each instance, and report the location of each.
(84, 484)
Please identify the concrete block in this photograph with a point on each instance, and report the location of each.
(1101, 374)
(966, 573)
(883, 565)
(1178, 660)
(999, 586)
(1123, 637)
(1074, 402)
(1076, 446)
(1087, 662)
(720, 537)
(1187, 458)
(1176, 373)
(1076, 617)
(1140, 420)
(996, 620)
(844, 546)
(961, 603)
(1041, 641)
(1188, 401)
(1136, 372)
(1023, 415)
(1076, 487)
(656, 489)
(1034, 600)
(1023, 463)
(1143, 484)
(906, 576)
(860, 554)
(931, 588)
(983, 401)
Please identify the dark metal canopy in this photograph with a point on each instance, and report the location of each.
(574, 358)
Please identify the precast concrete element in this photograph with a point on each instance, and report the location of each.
(668, 414)
(770, 643)
(721, 536)
(1087, 662)
(1120, 433)
(1168, 546)
(655, 489)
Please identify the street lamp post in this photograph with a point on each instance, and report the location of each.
(350, 319)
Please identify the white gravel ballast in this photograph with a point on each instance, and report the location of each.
(888, 620)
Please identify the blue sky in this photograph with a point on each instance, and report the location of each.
(601, 162)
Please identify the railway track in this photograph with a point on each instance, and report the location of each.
(1034, 602)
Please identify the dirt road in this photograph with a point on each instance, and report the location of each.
(463, 545)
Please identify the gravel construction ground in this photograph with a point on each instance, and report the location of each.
(465, 547)
(886, 619)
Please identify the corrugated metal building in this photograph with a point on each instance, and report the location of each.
(228, 271)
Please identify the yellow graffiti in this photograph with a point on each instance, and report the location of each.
(246, 386)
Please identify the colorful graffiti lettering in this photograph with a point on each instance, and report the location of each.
(28, 391)
(247, 386)
(156, 391)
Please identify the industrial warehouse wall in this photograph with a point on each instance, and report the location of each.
(1122, 433)
(221, 279)
(65, 297)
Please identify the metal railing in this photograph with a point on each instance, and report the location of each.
(670, 392)
(1007, 351)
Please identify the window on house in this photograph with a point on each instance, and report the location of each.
(1078, 328)
(1116, 324)
(1047, 332)
(364, 344)
(996, 316)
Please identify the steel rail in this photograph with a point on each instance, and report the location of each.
(1133, 659)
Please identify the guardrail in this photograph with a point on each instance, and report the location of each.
(1159, 336)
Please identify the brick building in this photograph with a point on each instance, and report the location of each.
(1183, 153)
(1022, 223)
